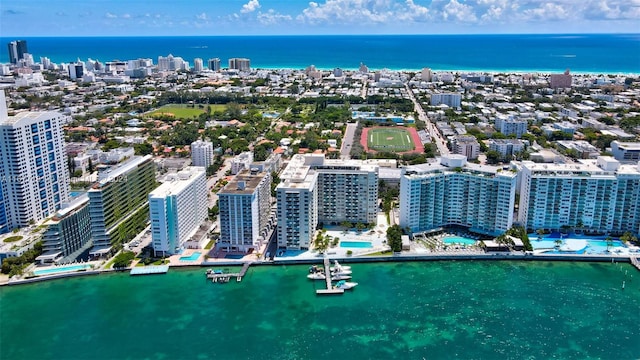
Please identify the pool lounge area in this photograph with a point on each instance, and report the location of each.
(577, 244)
(356, 244)
(62, 269)
(458, 240)
(193, 257)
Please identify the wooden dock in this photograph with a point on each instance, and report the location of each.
(634, 262)
(227, 277)
(149, 270)
(329, 290)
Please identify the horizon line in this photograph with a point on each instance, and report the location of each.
(311, 35)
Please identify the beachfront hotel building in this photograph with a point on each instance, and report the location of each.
(214, 64)
(202, 153)
(452, 192)
(33, 166)
(240, 64)
(598, 195)
(118, 203)
(245, 206)
(68, 232)
(177, 208)
(314, 190)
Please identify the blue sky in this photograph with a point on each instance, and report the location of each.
(266, 17)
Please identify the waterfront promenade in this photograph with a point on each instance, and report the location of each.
(398, 257)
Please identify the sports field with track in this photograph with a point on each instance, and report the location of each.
(395, 139)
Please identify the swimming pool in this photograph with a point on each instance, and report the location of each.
(356, 244)
(450, 240)
(192, 257)
(577, 245)
(61, 269)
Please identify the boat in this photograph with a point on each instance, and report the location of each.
(345, 285)
(341, 272)
(210, 273)
(337, 267)
(316, 276)
(340, 277)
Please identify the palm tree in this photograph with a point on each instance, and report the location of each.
(609, 241)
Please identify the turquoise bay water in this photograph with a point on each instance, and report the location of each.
(432, 310)
(607, 53)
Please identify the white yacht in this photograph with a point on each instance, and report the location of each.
(316, 276)
(338, 267)
(340, 277)
(346, 285)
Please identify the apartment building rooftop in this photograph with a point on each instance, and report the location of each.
(456, 163)
(28, 117)
(115, 172)
(245, 182)
(176, 182)
(603, 166)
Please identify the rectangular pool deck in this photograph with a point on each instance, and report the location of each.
(149, 270)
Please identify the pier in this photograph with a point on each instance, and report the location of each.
(634, 262)
(222, 278)
(327, 272)
(149, 270)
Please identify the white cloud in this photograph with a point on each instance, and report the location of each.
(110, 15)
(459, 12)
(546, 11)
(126, 16)
(413, 12)
(348, 11)
(272, 17)
(202, 16)
(251, 6)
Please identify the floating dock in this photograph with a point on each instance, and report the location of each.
(329, 290)
(149, 270)
(222, 278)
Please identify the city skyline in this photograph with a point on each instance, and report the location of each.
(328, 17)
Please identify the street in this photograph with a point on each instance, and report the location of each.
(440, 142)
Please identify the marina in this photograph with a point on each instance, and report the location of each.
(219, 276)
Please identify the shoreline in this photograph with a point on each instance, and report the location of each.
(359, 260)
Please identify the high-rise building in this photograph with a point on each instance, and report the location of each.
(560, 80)
(68, 232)
(314, 190)
(245, 206)
(17, 49)
(202, 153)
(506, 147)
(467, 146)
(598, 195)
(33, 169)
(425, 74)
(214, 64)
(241, 162)
(511, 126)
(119, 205)
(450, 99)
(177, 208)
(240, 64)
(197, 65)
(454, 192)
(172, 63)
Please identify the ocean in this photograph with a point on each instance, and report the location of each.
(581, 53)
(404, 310)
